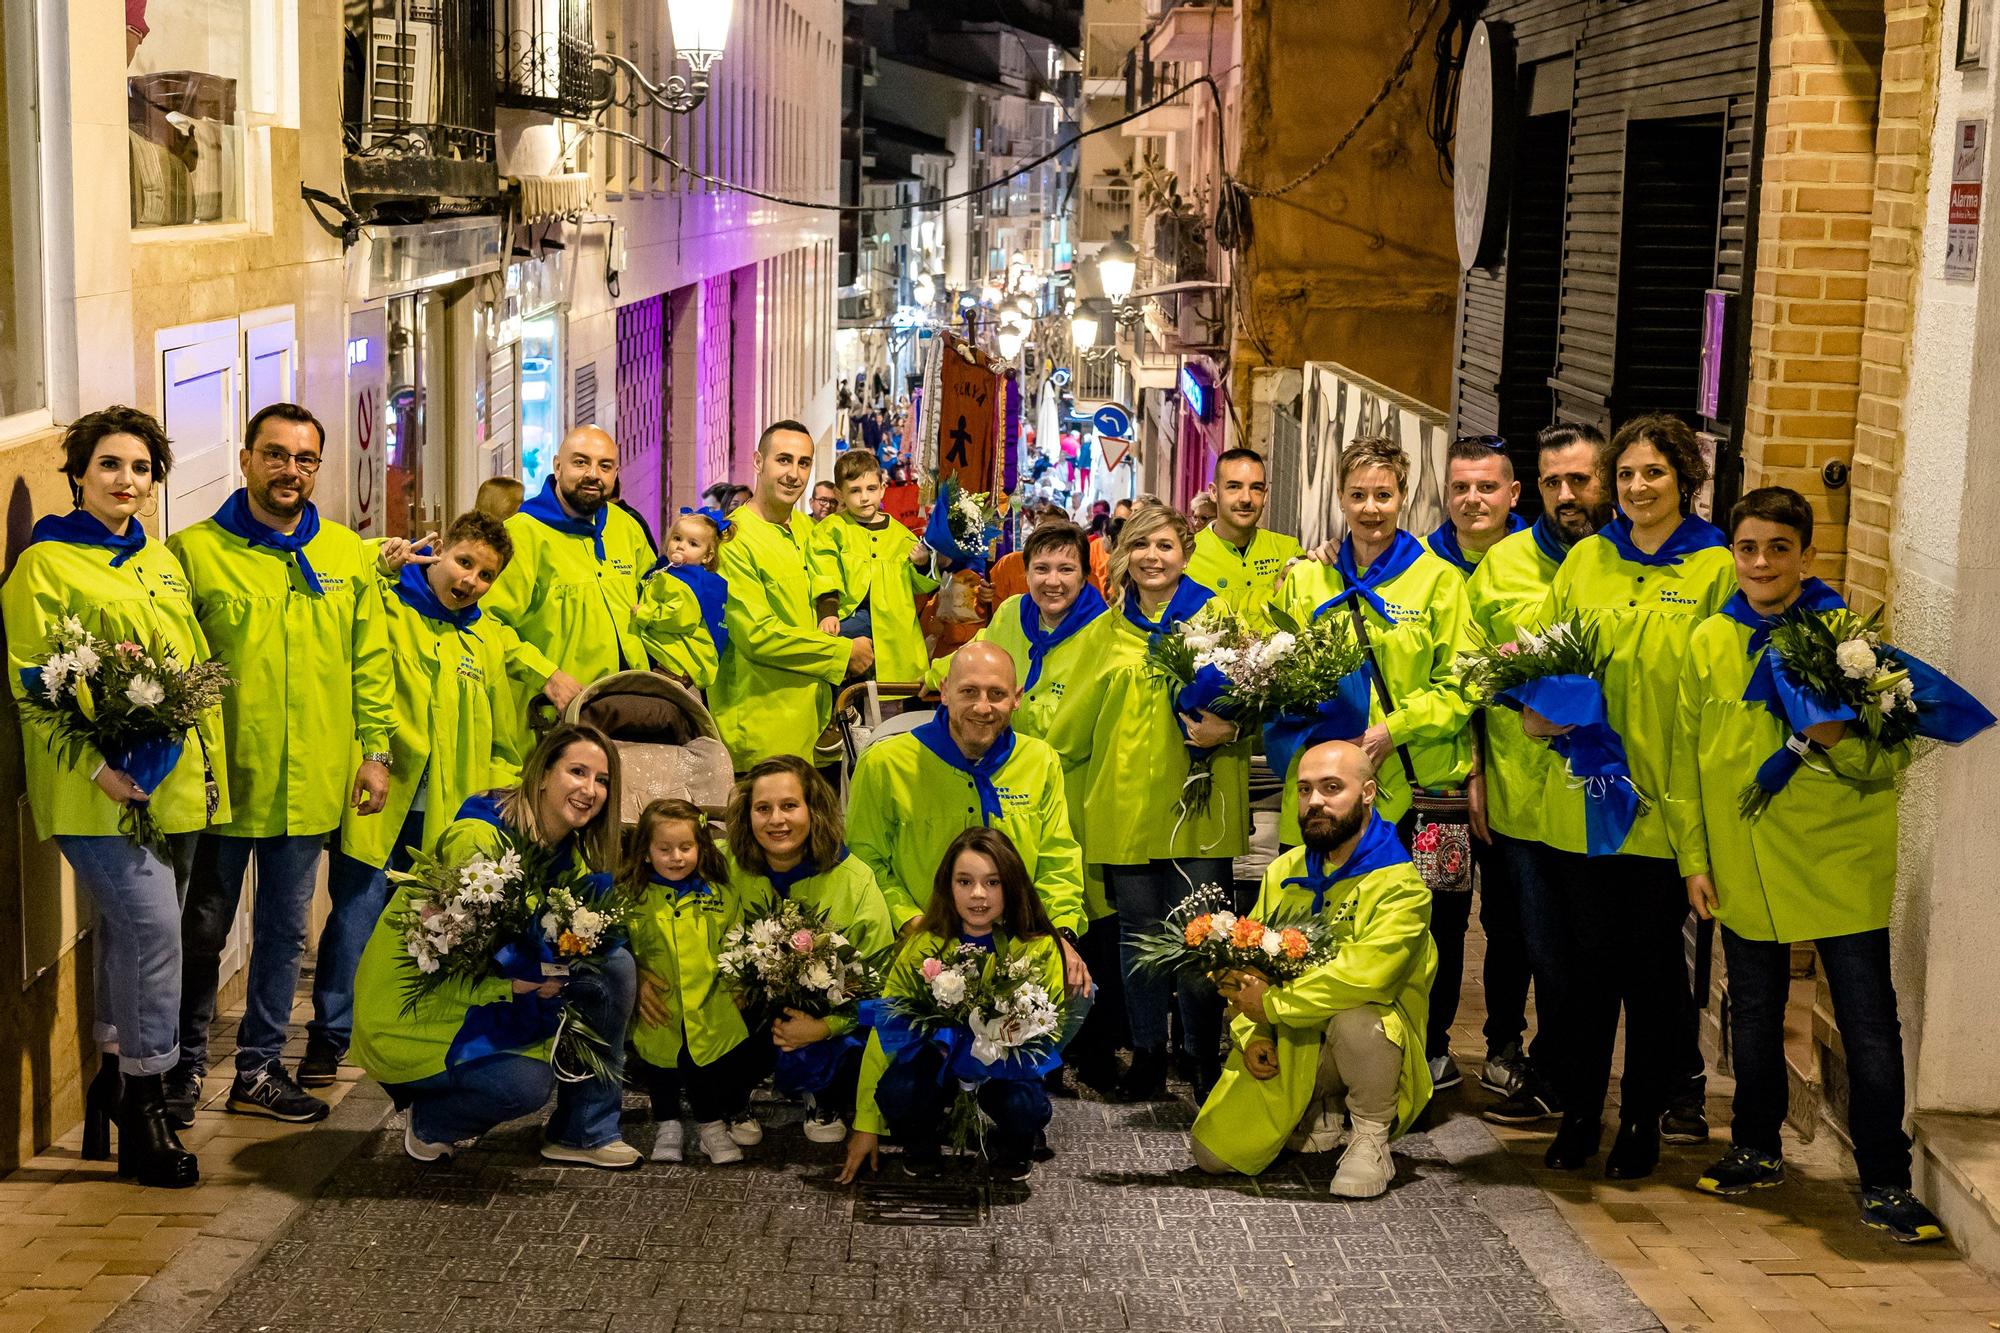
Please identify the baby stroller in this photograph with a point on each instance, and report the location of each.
(668, 745)
(860, 720)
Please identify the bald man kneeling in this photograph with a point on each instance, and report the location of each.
(913, 793)
(1335, 1055)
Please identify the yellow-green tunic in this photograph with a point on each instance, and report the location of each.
(774, 691)
(676, 937)
(460, 727)
(311, 673)
(1386, 961)
(1064, 661)
(904, 979)
(873, 565)
(1642, 617)
(1510, 584)
(1820, 861)
(668, 622)
(847, 896)
(905, 806)
(143, 601)
(573, 611)
(1245, 578)
(1117, 732)
(1417, 648)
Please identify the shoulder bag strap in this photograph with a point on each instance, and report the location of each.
(1381, 685)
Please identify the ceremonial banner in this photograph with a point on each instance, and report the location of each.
(966, 420)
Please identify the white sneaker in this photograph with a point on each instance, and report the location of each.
(829, 1129)
(1323, 1133)
(1366, 1168)
(423, 1151)
(746, 1131)
(616, 1155)
(716, 1145)
(671, 1143)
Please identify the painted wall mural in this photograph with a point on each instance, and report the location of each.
(1340, 406)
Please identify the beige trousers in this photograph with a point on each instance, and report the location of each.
(1359, 1067)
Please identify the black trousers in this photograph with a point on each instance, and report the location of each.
(915, 1098)
(719, 1090)
(1508, 973)
(1105, 1029)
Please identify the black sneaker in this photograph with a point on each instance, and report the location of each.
(1684, 1122)
(1445, 1074)
(183, 1089)
(320, 1064)
(1741, 1170)
(270, 1092)
(1505, 1071)
(1009, 1169)
(921, 1166)
(1529, 1106)
(1895, 1210)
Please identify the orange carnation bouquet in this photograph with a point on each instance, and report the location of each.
(1205, 934)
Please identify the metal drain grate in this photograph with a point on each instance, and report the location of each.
(926, 1204)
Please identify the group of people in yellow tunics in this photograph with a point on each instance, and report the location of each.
(378, 706)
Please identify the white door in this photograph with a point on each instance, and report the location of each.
(270, 362)
(200, 403)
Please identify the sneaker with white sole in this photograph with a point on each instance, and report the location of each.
(746, 1131)
(616, 1155)
(670, 1145)
(423, 1151)
(1323, 1133)
(716, 1145)
(825, 1129)
(1445, 1074)
(1366, 1167)
(1505, 1071)
(270, 1092)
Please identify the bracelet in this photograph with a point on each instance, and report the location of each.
(382, 757)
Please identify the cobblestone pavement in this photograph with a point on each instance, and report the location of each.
(1117, 1233)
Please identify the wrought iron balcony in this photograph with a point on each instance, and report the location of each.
(419, 107)
(545, 50)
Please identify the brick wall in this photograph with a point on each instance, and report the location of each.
(1815, 238)
(1902, 161)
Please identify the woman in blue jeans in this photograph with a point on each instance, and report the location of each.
(1153, 836)
(567, 802)
(97, 565)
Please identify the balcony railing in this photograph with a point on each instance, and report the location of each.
(544, 56)
(419, 114)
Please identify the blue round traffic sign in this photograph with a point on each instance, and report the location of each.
(1112, 422)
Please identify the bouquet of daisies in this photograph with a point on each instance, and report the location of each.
(992, 1018)
(1560, 674)
(1203, 935)
(521, 915)
(1216, 664)
(1319, 691)
(1832, 665)
(792, 959)
(131, 703)
(963, 527)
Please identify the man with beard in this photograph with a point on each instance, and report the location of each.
(579, 564)
(825, 501)
(967, 767)
(773, 691)
(292, 605)
(1335, 1054)
(1232, 555)
(1509, 585)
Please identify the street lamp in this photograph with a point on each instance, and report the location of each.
(1008, 340)
(923, 291)
(1083, 328)
(1025, 306)
(701, 31)
(1117, 265)
(989, 294)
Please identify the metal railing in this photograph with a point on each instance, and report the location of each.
(426, 88)
(544, 50)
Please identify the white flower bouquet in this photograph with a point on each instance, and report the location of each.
(131, 703)
(1216, 664)
(792, 959)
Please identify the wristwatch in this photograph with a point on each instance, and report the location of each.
(1070, 935)
(382, 757)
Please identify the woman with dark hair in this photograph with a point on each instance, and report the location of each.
(786, 840)
(566, 804)
(1639, 586)
(96, 565)
(981, 897)
(459, 729)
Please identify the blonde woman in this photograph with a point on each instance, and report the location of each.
(1118, 731)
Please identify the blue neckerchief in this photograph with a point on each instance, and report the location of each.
(693, 884)
(415, 591)
(1444, 542)
(984, 942)
(1189, 597)
(547, 508)
(1088, 606)
(935, 736)
(1694, 534)
(711, 593)
(80, 527)
(784, 880)
(236, 519)
(1404, 551)
(485, 807)
(1378, 847)
(1813, 596)
(1550, 540)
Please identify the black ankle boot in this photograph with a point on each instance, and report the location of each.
(148, 1148)
(1636, 1150)
(1146, 1080)
(1576, 1142)
(100, 1108)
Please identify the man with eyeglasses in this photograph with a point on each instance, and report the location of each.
(292, 605)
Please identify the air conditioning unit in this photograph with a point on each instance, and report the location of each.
(402, 60)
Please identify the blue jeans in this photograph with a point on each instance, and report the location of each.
(586, 1113)
(286, 866)
(359, 892)
(1143, 896)
(464, 1103)
(1864, 1008)
(138, 945)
